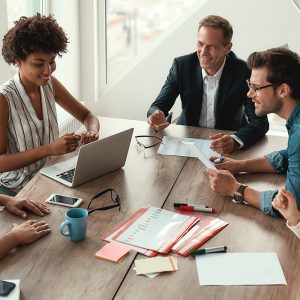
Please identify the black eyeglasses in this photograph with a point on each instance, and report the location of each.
(156, 139)
(255, 88)
(114, 197)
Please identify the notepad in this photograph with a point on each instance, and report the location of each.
(112, 252)
(155, 264)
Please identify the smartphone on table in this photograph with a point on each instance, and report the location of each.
(64, 200)
(6, 287)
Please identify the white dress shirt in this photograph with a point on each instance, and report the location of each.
(209, 100)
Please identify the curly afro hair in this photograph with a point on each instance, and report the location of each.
(35, 34)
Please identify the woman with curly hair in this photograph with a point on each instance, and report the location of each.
(28, 121)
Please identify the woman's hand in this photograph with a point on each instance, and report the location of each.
(29, 231)
(65, 144)
(88, 136)
(16, 207)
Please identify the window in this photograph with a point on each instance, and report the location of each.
(132, 25)
(18, 8)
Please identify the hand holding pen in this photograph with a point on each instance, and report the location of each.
(225, 163)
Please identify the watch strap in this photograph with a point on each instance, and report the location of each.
(239, 194)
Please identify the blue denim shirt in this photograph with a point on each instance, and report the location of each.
(287, 162)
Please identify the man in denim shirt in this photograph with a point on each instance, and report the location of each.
(274, 87)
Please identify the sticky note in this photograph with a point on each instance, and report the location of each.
(155, 264)
(112, 251)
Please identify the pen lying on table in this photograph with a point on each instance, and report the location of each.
(185, 204)
(220, 249)
(198, 208)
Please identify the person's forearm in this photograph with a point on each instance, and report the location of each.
(91, 123)
(256, 165)
(15, 161)
(251, 196)
(7, 243)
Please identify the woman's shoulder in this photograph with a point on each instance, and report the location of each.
(7, 87)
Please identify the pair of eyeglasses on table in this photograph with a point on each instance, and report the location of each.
(115, 198)
(141, 141)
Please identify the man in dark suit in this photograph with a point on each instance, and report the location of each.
(212, 86)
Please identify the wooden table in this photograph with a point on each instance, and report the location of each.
(56, 268)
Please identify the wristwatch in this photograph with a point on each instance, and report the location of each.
(238, 196)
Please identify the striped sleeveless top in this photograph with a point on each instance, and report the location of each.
(25, 130)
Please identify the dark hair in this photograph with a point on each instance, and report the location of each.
(283, 66)
(218, 23)
(35, 34)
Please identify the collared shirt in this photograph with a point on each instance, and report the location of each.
(209, 99)
(286, 161)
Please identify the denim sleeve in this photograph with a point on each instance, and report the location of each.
(293, 173)
(265, 203)
(285, 161)
(279, 160)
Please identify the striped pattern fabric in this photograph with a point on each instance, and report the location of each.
(25, 130)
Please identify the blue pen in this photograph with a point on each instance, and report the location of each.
(219, 160)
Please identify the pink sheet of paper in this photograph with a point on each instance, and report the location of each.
(112, 252)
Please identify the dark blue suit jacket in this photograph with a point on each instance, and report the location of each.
(234, 110)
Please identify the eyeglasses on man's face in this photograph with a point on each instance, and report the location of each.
(148, 141)
(95, 204)
(254, 88)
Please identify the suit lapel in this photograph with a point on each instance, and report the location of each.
(197, 94)
(224, 86)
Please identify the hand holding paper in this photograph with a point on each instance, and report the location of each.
(194, 149)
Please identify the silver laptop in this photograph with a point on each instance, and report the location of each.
(94, 159)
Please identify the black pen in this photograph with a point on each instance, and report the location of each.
(180, 204)
(196, 205)
(220, 249)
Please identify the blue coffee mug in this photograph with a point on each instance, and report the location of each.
(76, 220)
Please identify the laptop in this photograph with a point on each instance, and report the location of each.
(94, 159)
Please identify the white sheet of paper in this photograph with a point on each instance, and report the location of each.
(200, 155)
(176, 146)
(239, 269)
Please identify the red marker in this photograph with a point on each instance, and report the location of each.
(195, 208)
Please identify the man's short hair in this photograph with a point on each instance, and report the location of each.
(218, 22)
(283, 66)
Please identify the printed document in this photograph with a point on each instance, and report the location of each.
(188, 147)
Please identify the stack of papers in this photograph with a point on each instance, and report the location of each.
(152, 230)
(112, 252)
(153, 266)
(205, 229)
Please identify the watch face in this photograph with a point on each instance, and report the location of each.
(237, 197)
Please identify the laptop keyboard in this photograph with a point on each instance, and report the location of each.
(68, 175)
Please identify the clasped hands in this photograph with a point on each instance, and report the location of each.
(70, 142)
(221, 143)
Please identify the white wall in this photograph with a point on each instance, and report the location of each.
(257, 25)
(68, 67)
(5, 72)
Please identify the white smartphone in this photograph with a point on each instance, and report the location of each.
(64, 200)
